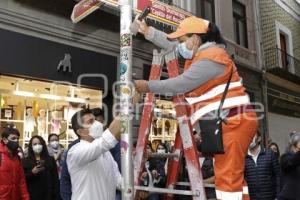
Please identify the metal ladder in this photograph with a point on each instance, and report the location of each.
(184, 142)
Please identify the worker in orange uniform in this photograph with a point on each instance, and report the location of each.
(207, 69)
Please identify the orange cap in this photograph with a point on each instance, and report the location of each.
(190, 25)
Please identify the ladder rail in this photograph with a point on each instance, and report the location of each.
(184, 142)
(173, 166)
(186, 132)
(146, 119)
(166, 191)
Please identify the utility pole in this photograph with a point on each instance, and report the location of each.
(126, 93)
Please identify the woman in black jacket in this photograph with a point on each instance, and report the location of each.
(40, 171)
(290, 166)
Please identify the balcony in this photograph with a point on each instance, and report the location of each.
(282, 64)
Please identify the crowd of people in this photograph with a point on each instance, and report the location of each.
(43, 171)
(88, 169)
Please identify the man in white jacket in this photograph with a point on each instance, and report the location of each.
(94, 173)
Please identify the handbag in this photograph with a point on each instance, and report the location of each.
(211, 129)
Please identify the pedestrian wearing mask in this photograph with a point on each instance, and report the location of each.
(274, 147)
(12, 179)
(290, 167)
(262, 171)
(93, 171)
(162, 162)
(40, 171)
(56, 151)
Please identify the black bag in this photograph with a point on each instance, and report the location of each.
(211, 129)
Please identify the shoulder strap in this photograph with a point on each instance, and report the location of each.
(225, 93)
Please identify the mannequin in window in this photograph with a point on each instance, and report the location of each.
(29, 123)
(41, 120)
(167, 127)
(159, 125)
(155, 127)
(55, 123)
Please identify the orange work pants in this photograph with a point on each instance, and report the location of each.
(229, 167)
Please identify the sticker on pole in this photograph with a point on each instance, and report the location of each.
(84, 8)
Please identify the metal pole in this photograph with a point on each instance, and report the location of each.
(126, 92)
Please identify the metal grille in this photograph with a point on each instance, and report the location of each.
(277, 58)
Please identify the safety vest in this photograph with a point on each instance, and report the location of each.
(207, 97)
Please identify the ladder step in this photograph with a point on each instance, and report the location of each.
(207, 185)
(165, 191)
(164, 155)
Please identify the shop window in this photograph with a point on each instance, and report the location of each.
(240, 24)
(206, 9)
(39, 108)
(164, 124)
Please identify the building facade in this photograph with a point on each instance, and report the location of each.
(280, 33)
(93, 43)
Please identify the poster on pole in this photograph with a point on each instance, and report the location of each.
(160, 11)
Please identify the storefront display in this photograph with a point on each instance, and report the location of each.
(29, 123)
(37, 107)
(55, 122)
(41, 120)
(164, 124)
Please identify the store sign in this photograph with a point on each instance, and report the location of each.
(88, 68)
(284, 107)
(163, 12)
(160, 12)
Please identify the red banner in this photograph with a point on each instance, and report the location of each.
(84, 8)
(141, 4)
(163, 12)
(159, 11)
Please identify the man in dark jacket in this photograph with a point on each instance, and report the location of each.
(262, 172)
(12, 179)
(65, 179)
(290, 166)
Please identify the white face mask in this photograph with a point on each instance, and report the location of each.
(38, 148)
(184, 51)
(54, 144)
(96, 130)
(161, 151)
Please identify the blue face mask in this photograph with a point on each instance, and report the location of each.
(184, 51)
